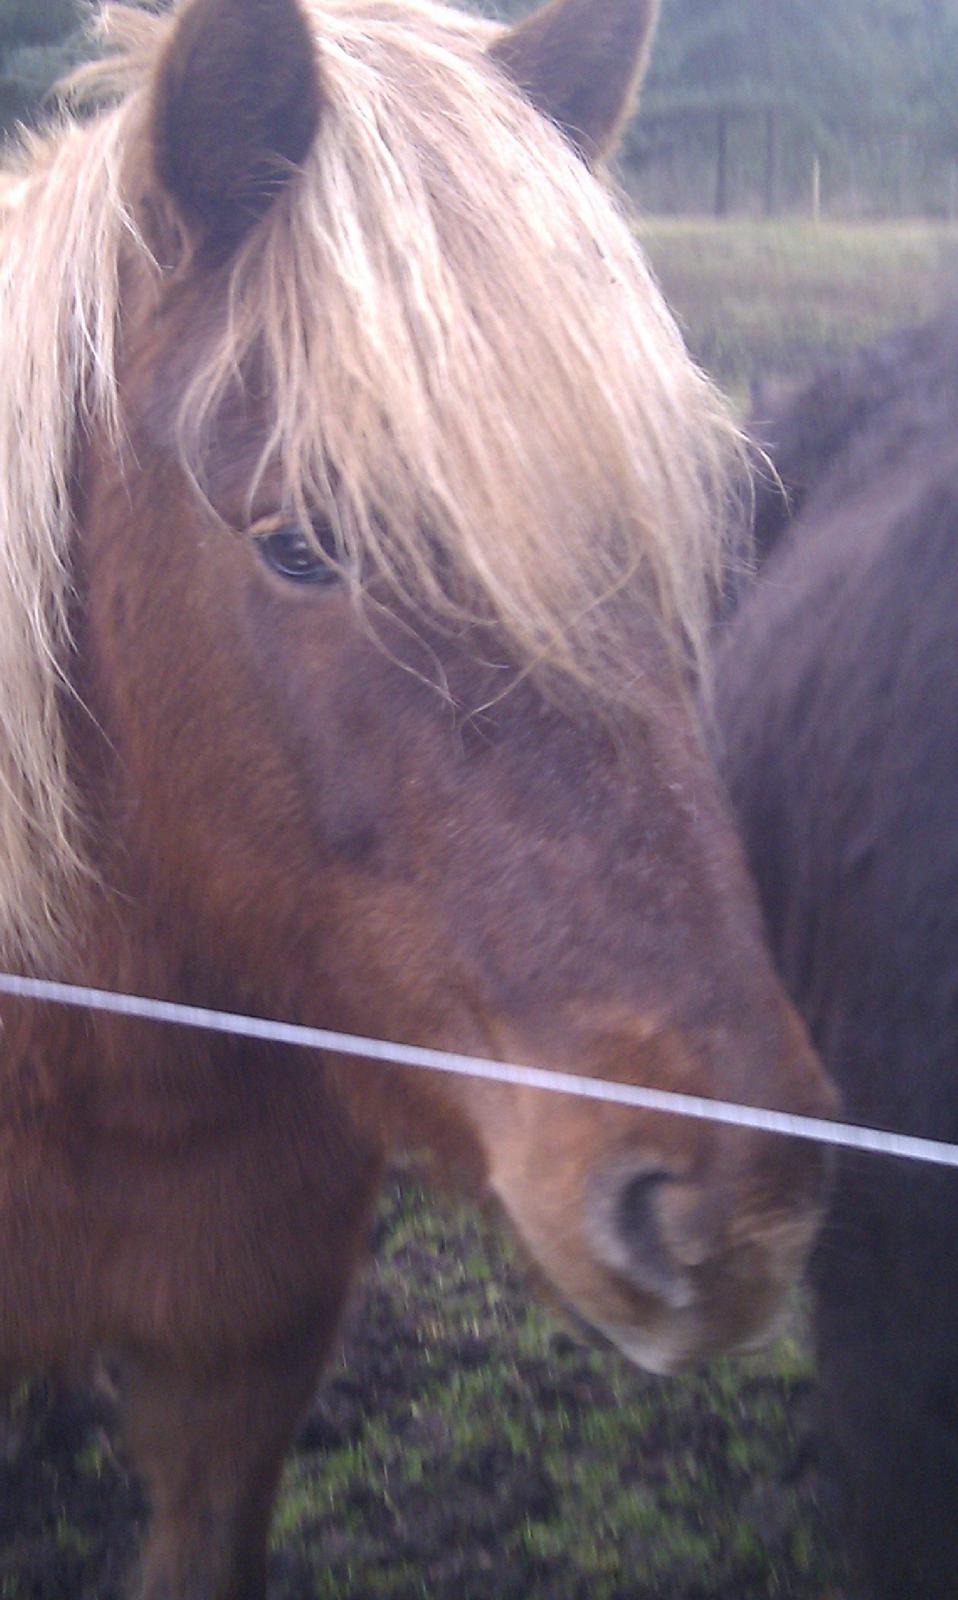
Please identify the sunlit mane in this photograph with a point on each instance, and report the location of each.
(462, 348)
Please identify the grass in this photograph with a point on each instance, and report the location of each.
(468, 1447)
(755, 298)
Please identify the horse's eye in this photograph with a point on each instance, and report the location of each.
(295, 557)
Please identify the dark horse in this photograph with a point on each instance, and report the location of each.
(358, 511)
(838, 716)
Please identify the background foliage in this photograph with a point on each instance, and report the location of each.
(745, 98)
(39, 40)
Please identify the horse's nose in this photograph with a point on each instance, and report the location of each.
(655, 1230)
(667, 1232)
(647, 1250)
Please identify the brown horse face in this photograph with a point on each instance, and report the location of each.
(342, 811)
(336, 831)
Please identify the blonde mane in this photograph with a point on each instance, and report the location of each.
(463, 350)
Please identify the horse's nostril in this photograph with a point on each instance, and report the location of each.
(639, 1221)
(637, 1200)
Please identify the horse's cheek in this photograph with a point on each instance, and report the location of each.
(324, 715)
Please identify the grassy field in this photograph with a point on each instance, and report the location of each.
(464, 1447)
(500, 1460)
(761, 297)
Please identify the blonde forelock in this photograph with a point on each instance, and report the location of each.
(463, 350)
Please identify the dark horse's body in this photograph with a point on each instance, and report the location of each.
(838, 715)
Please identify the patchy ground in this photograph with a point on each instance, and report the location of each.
(465, 1448)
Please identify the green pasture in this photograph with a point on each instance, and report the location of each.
(755, 298)
(467, 1448)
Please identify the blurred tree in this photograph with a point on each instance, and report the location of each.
(35, 21)
(746, 93)
(930, 30)
(497, 10)
(37, 43)
(776, 64)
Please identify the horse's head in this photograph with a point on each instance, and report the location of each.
(394, 527)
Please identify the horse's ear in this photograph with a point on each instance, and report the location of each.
(236, 107)
(580, 62)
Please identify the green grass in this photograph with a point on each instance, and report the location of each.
(484, 1454)
(760, 297)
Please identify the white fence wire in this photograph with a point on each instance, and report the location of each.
(820, 1130)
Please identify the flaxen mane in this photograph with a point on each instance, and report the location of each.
(462, 349)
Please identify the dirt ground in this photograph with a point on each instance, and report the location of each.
(466, 1448)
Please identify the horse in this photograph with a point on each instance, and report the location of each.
(359, 513)
(838, 736)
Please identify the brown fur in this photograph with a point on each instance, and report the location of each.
(582, 65)
(224, 162)
(418, 801)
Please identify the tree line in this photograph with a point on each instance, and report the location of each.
(771, 103)
(761, 105)
(39, 41)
